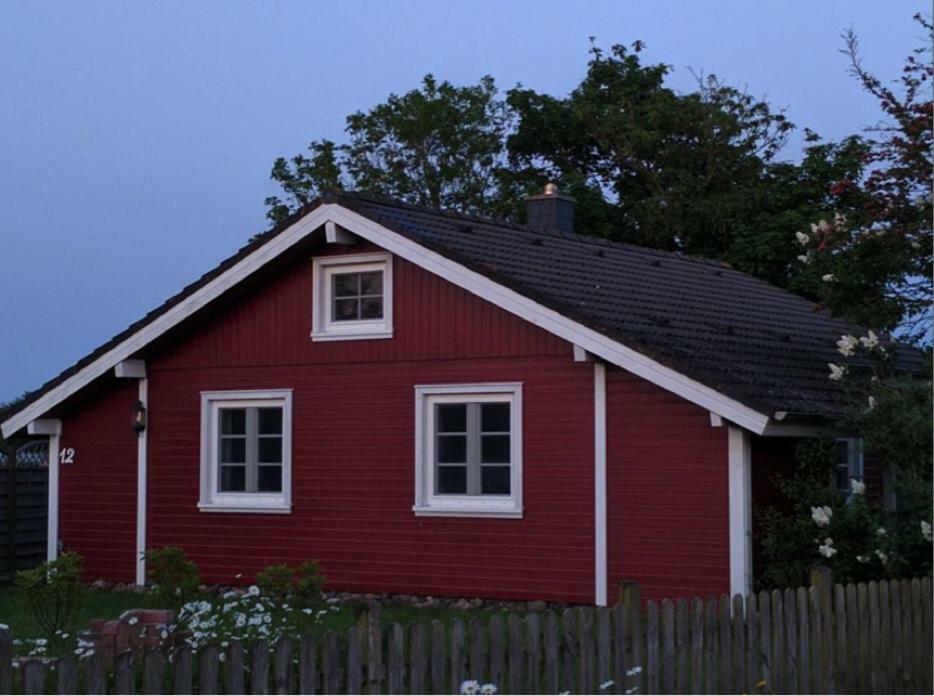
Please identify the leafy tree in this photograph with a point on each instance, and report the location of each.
(439, 145)
(677, 169)
(697, 172)
(872, 256)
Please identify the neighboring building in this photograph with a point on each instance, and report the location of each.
(429, 403)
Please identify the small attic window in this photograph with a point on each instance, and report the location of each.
(352, 297)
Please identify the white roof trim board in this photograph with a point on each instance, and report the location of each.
(554, 322)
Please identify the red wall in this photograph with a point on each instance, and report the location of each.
(97, 492)
(353, 445)
(667, 492)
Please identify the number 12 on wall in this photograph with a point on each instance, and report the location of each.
(67, 455)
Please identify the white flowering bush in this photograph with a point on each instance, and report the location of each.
(892, 411)
(247, 616)
(820, 524)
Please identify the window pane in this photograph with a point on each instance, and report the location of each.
(346, 284)
(233, 478)
(842, 451)
(842, 477)
(233, 421)
(452, 448)
(269, 479)
(270, 421)
(233, 450)
(494, 480)
(270, 450)
(371, 308)
(371, 283)
(494, 418)
(452, 480)
(346, 310)
(495, 449)
(452, 418)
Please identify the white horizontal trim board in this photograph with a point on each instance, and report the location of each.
(45, 426)
(554, 322)
(133, 369)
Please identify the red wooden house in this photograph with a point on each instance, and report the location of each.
(429, 403)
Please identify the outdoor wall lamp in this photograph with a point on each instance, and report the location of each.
(139, 417)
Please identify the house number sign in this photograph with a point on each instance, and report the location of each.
(67, 455)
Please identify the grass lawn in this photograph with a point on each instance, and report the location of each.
(16, 613)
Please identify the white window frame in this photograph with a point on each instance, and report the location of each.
(854, 462)
(427, 502)
(323, 328)
(212, 500)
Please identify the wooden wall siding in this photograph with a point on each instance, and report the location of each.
(353, 447)
(667, 517)
(97, 496)
(433, 320)
(353, 486)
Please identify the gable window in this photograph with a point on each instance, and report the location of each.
(246, 451)
(353, 297)
(469, 450)
(849, 462)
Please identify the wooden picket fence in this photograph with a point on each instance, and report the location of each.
(866, 638)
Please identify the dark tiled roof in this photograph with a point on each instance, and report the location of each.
(758, 344)
(761, 345)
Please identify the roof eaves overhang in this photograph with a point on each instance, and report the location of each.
(456, 271)
(167, 320)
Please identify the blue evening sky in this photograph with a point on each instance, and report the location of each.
(136, 138)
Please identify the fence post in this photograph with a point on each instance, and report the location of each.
(34, 676)
(630, 596)
(6, 661)
(822, 580)
(374, 649)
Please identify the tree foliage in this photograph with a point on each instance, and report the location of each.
(873, 255)
(675, 167)
(440, 145)
(697, 171)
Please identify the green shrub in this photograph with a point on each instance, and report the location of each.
(175, 578)
(54, 591)
(276, 581)
(303, 585)
(310, 582)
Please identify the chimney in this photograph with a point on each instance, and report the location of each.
(550, 211)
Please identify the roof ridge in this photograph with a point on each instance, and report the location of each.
(519, 227)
